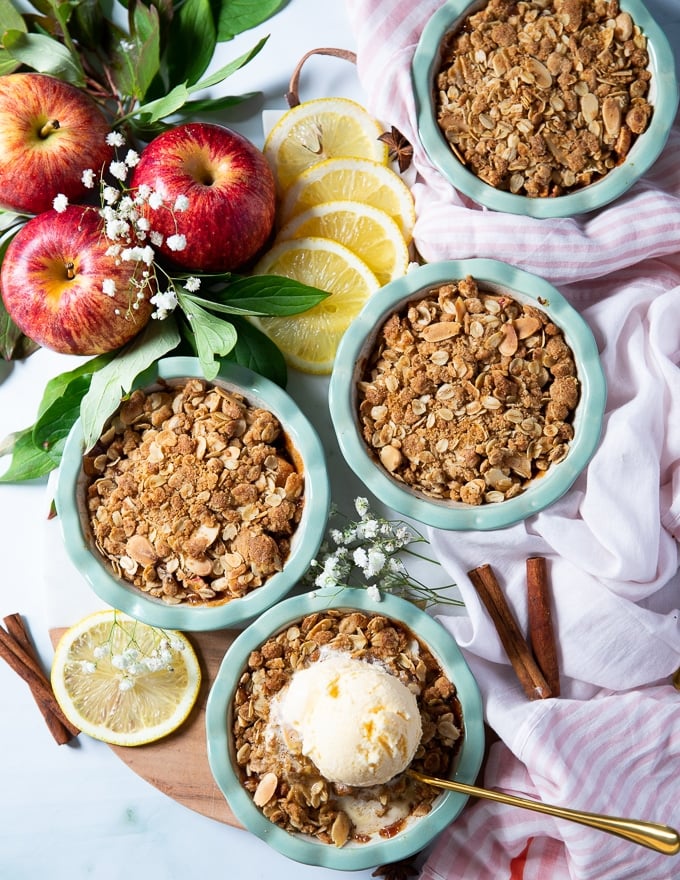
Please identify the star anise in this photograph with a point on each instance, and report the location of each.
(400, 150)
(396, 870)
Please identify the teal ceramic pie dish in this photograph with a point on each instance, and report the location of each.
(663, 96)
(119, 593)
(353, 856)
(352, 357)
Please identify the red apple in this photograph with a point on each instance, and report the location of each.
(53, 284)
(230, 191)
(50, 132)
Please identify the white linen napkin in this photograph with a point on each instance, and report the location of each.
(607, 744)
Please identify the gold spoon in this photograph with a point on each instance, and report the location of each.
(661, 838)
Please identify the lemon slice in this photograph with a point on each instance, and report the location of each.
(122, 681)
(319, 129)
(360, 180)
(367, 231)
(309, 340)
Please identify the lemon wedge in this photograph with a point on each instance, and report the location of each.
(122, 681)
(360, 180)
(319, 129)
(309, 341)
(367, 231)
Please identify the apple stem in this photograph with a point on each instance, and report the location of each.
(70, 270)
(50, 126)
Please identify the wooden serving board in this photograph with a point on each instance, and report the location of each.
(178, 764)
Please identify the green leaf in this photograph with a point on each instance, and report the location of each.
(28, 461)
(191, 43)
(236, 16)
(136, 66)
(88, 24)
(255, 350)
(58, 386)
(57, 412)
(8, 219)
(214, 105)
(267, 295)
(228, 69)
(161, 107)
(43, 54)
(10, 19)
(53, 426)
(10, 334)
(116, 378)
(212, 336)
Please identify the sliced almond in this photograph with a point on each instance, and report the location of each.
(509, 344)
(441, 330)
(265, 790)
(141, 550)
(526, 326)
(542, 76)
(611, 115)
(340, 829)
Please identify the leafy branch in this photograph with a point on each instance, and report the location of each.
(132, 57)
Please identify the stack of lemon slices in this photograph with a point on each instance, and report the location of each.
(345, 222)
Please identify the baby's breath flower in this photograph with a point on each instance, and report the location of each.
(156, 238)
(176, 242)
(361, 506)
(88, 178)
(192, 284)
(131, 158)
(117, 228)
(155, 200)
(143, 193)
(164, 301)
(110, 195)
(109, 287)
(60, 203)
(366, 553)
(373, 593)
(126, 684)
(115, 139)
(181, 203)
(118, 170)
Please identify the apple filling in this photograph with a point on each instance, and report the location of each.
(194, 494)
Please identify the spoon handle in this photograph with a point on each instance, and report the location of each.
(661, 838)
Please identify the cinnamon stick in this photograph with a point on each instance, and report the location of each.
(16, 650)
(530, 676)
(541, 633)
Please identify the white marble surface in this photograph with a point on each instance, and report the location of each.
(77, 811)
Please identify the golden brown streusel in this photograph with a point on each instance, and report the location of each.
(286, 784)
(468, 395)
(543, 97)
(194, 494)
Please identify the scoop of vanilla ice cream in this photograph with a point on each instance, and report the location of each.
(358, 723)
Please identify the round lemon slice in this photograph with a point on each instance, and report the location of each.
(309, 340)
(360, 180)
(367, 231)
(122, 681)
(319, 129)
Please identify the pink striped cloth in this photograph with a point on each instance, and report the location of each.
(610, 743)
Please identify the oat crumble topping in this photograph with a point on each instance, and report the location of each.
(543, 97)
(285, 784)
(468, 395)
(194, 493)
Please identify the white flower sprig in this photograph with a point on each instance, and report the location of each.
(368, 553)
(131, 236)
(133, 662)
